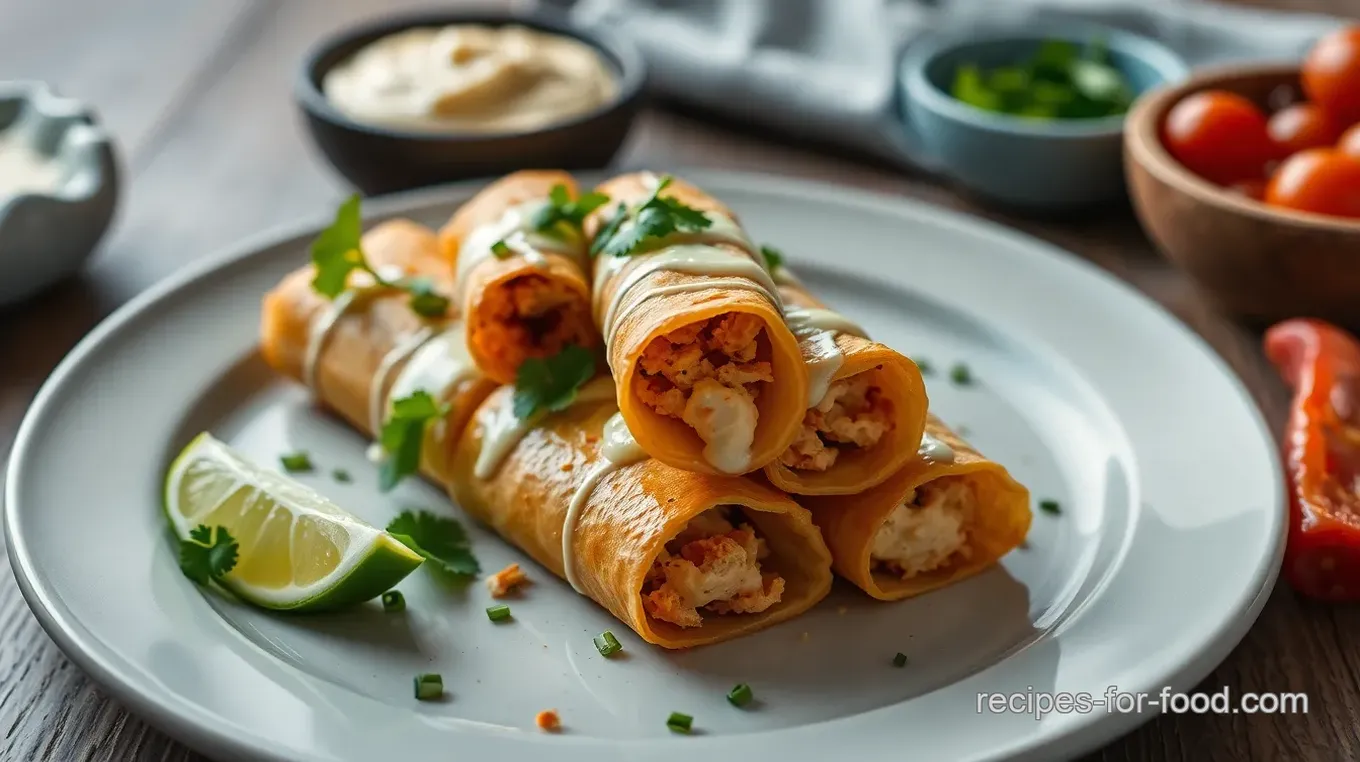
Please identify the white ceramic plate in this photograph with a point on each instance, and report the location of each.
(1166, 548)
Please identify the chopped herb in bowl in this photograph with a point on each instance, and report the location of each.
(1060, 81)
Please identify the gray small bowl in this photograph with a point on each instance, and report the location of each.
(1051, 165)
(45, 237)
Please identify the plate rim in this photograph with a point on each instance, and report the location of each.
(193, 726)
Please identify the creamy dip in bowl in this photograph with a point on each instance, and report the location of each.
(409, 101)
(471, 78)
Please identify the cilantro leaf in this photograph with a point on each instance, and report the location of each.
(609, 230)
(208, 554)
(774, 258)
(652, 221)
(403, 435)
(441, 540)
(562, 217)
(336, 252)
(551, 383)
(425, 300)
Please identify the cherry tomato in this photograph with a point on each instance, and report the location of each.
(1300, 126)
(1219, 136)
(1317, 180)
(1349, 143)
(1331, 74)
(1252, 189)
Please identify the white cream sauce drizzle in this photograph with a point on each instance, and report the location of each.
(736, 270)
(502, 429)
(515, 227)
(935, 450)
(439, 362)
(377, 400)
(362, 287)
(619, 449)
(816, 329)
(783, 276)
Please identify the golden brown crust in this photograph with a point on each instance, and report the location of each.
(486, 286)
(630, 516)
(780, 403)
(849, 523)
(857, 469)
(364, 335)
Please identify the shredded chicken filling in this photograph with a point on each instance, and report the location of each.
(707, 375)
(927, 530)
(854, 413)
(714, 565)
(531, 316)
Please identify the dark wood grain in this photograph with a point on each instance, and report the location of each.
(198, 93)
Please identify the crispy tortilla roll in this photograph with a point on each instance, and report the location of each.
(683, 558)
(367, 347)
(949, 514)
(531, 299)
(867, 405)
(709, 376)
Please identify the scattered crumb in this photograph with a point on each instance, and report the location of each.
(841, 610)
(547, 720)
(567, 466)
(804, 637)
(506, 581)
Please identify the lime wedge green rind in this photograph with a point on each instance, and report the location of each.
(360, 562)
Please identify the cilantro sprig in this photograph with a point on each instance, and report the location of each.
(652, 220)
(774, 258)
(439, 539)
(208, 554)
(403, 434)
(338, 251)
(551, 383)
(562, 217)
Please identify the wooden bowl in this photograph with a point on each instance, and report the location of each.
(1258, 262)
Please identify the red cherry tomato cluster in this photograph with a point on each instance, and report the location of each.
(1305, 156)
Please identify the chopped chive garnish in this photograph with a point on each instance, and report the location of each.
(501, 249)
(924, 365)
(900, 660)
(1050, 506)
(740, 695)
(342, 476)
(679, 723)
(960, 375)
(429, 687)
(393, 601)
(498, 613)
(607, 644)
(295, 462)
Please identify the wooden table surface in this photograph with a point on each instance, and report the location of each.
(198, 95)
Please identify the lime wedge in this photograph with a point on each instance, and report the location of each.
(298, 550)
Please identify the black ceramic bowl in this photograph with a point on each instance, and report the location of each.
(380, 159)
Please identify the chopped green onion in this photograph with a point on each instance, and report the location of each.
(296, 462)
(1050, 506)
(740, 695)
(961, 375)
(342, 476)
(429, 687)
(900, 660)
(498, 613)
(501, 249)
(679, 723)
(393, 601)
(607, 644)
